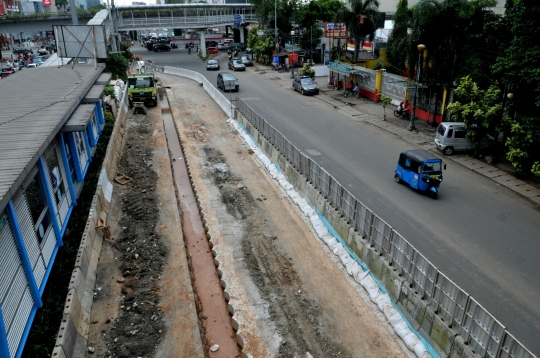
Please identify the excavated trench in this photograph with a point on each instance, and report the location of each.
(215, 314)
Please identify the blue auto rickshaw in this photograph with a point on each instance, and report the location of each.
(421, 170)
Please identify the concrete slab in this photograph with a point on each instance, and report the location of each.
(527, 190)
(508, 180)
(489, 171)
(535, 199)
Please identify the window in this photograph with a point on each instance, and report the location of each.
(79, 143)
(35, 195)
(441, 130)
(415, 166)
(70, 163)
(450, 133)
(58, 183)
(460, 134)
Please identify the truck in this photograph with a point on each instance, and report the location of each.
(142, 88)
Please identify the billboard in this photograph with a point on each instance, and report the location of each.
(336, 30)
(81, 41)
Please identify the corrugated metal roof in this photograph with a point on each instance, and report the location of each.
(79, 119)
(104, 79)
(94, 94)
(34, 105)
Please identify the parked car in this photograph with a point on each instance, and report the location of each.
(452, 137)
(249, 50)
(161, 47)
(22, 50)
(221, 46)
(246, 61)
(305, 85)
(236, 64)
(211, 43)
(227, 82)
(212, 64)
(212, 51)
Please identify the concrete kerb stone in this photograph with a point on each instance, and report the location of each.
(462, 350)
(72, 343)
(80, 315)
(412, 305)
(391, 280)
(438, 330)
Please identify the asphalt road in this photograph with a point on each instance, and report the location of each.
(483, 237)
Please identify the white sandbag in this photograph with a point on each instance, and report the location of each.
(350, 265)
(336, 248)
(345, 258)
(395, 319)
(368, 282)
(354, 269)
(389, 312)
(401, 329)
(411, 340)
(421, 351)
(374, 293)
(361, 275)
(383, 301)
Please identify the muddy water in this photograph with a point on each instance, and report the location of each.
(213, 311)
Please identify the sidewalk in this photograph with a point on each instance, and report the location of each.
(364, 110)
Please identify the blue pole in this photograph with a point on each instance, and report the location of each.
(27, 266)
(4, 347)
(53, 209)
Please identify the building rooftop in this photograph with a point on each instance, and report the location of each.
(34, 105)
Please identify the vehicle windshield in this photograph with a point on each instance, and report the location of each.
(144, 82)
(212, 62)
(237, 62)
(432, 167)
(229, 77)
(307, 81)
(245, 58)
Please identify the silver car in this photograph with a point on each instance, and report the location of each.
(236, 64)
(212, 64)
(246, 61)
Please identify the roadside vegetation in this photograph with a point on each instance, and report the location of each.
(486, 63)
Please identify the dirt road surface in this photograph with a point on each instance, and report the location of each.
(290, 295)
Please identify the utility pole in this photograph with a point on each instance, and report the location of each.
(74, 18)
(275, 23)
(311, 45)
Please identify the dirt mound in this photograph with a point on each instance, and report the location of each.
(140, 252)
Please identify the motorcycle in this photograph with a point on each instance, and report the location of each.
(174, 45)
(282, 69)
(405, 113)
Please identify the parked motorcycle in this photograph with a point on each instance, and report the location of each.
(405, 113)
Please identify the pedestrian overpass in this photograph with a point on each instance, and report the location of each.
(189, 17)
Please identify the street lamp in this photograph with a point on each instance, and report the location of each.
(292, 56)
(421, 49)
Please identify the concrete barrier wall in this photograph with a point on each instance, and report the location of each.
(72, 338)
(418, 312)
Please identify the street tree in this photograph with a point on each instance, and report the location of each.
(522, 144)
(399, 43)
(310, 37)
(519, 64)
(360, 21)
(61, 4)
(481, 110)
(318, 10)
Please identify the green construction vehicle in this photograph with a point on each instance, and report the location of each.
(142, 88)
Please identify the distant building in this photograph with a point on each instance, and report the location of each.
(391, 5)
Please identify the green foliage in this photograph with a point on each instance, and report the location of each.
(523, 145)
(314, 34)
(481, 110)
(360, 21)
(109, 118)
(519, 65)
(261, 45)
(399, 43)
(118, 65)
(385, 100)
(321, 10)
(307, 71)
(109, 91)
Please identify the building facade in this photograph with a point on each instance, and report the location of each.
(46, 146)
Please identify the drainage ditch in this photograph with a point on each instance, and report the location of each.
(215, 314)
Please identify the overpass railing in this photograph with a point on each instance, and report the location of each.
(487, 336)
(180, 22)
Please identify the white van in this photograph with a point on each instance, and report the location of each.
(452, 136)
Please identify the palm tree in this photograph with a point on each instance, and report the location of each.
(360, 21)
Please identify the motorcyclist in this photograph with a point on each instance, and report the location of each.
(189, 50)
(401, 107)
